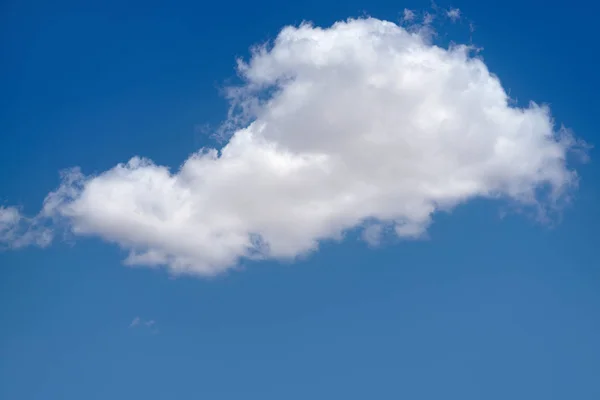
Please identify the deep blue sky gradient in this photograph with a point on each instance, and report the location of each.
(487, 308)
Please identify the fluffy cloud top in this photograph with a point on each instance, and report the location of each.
(363, 124)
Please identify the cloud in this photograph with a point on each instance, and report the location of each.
(17, 231)
(360, 125)
(428, 18)
(139, 322)
(454, 14)
(372, 234)
(408, 15)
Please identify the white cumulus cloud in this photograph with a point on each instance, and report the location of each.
(360, 125)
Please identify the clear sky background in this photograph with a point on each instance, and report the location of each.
(485, 308)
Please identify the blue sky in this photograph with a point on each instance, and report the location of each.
(483, 307)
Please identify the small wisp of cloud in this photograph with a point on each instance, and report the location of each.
(428, 18)
(408, 15)
(138, 322)
(17, 231)
(453, 14)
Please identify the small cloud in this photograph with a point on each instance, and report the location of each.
(453, 14)
(428, 18)
(142, 323)
(136, 321)
(408, 15)
(372, 234)
(18, 231)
